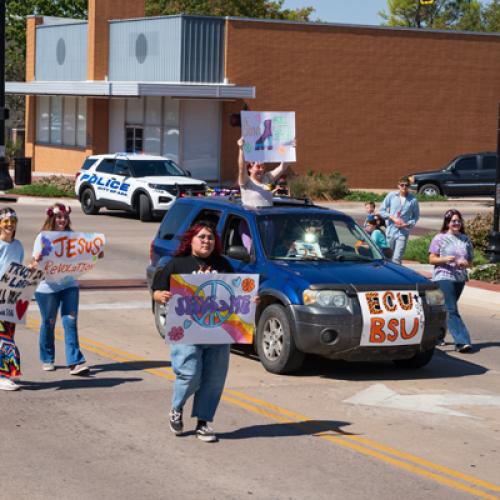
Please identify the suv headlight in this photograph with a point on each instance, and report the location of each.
(434, 297)
(159, 187)
(325, 298)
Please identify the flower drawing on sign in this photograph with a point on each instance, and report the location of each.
(46, 247)
(248, 285)
(176, 333)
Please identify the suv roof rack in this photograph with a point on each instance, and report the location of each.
(282, 201)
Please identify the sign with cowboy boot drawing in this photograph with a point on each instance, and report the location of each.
(269, 136)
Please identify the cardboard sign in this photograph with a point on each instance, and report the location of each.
(391, 318)
(68, 254)
(269, 136)
(211, 308)
(17, 287)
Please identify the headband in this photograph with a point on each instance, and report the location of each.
(8, 213)
(58, 209)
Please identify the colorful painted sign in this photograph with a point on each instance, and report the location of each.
(17, 286)
(269, 136)
(211, 308)
(391, 318)
(67, 253)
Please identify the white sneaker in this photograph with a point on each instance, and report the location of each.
(6, 384)
(48, 367)
(79, 370)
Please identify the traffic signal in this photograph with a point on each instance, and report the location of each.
(235, 120)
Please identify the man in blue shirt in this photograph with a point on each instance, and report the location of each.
(401, 211)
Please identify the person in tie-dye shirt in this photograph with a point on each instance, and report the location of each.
(451, 254)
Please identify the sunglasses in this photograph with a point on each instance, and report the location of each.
(204, 237)
(404, 184)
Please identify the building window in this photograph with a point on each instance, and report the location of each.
(43, 119)
(133, 139)
(61, 120)
(56, 111)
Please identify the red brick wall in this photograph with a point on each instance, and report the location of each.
(370, 103)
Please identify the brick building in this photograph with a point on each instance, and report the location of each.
(370, 102)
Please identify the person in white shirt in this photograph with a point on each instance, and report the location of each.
(256, 185)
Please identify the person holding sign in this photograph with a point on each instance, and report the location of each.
(200, 370)
(11, 250)
(63, 294)
(256, 185)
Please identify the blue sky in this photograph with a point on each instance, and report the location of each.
(343, 11)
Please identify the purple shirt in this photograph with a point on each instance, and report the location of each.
(445, 244)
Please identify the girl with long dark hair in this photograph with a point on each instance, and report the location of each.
(451, 254)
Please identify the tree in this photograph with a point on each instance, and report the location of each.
(442, 14)
(15, 37)
(263, 9)
(491, 16)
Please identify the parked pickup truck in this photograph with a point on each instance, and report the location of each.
(466, 175)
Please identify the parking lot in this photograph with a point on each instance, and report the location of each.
(334, 424)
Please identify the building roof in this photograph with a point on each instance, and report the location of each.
(131, 89)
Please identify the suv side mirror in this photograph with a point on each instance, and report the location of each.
(239, 253)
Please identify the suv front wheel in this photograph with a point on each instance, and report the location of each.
(87, 201)
(274, 341)
(160, 318)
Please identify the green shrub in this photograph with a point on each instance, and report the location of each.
(51, 186)
(319, 186)
(418, 249)
(486, 272)
(478, 229)
(364, 196)
(368, 196)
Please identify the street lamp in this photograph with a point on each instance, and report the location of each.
(493, 249)
(5, 179)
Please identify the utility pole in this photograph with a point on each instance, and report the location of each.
(493, 249)
(5, 179)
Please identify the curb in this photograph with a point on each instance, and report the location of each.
(36, 200)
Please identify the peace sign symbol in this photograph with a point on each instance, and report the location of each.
(209, 319)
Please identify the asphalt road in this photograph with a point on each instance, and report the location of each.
(334, 430)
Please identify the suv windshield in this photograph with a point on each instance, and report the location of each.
(145, 168)
(315, 237)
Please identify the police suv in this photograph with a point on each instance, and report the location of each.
(143, 184)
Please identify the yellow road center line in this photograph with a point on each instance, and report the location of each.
(364, 446)
(374, 444)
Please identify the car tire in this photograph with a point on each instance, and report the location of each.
(274, 341)
(419, 360)
(145, 214)
(160, 311)
(87, 201)
(429, 190)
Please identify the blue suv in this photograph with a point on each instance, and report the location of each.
(325, 287)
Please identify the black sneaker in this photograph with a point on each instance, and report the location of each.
(175, 421)
(205, 433)
(464, 348)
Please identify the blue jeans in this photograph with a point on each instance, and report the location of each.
(200, 370)
(452, 291)
(49, 304)
(397, 243)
